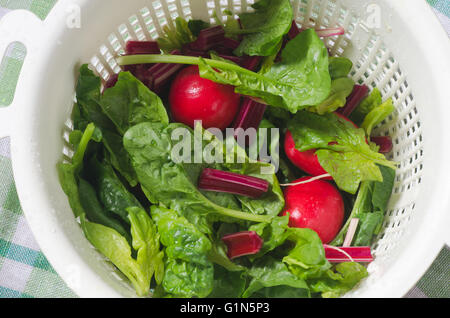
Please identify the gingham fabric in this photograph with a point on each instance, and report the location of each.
(24, 270)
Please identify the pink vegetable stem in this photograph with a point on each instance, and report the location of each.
(161, 73)
(242, 243)
(142, 47)
(232, 58)
(112, 80)
(323, 33)
(229, 182)
(230, 43)
(294, 31)
(250, 115)
(251, 62)
(360, 254)
(208, 38)
(384, 142)
(358, 94)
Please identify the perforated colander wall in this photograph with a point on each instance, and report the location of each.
(374, 65)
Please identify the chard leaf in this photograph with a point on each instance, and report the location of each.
(265, 27)
(116, 248)
(227, 284)
(377, 115)
(372, 198)
(339, 67)
(175, 35)
(271, 277)
(111, 192)
(88, 109)
(182, 239)
(188, 270)
(130, 102)
(300, 80)
(195, 26)
(366, 106)
(187, 280)
(150, 147)
(341, 88)
(341, 148)
(335, 283)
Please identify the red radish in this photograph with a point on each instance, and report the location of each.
(316, 205)
(306, 160)
(194, 98)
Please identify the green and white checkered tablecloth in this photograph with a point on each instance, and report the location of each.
(24, 270)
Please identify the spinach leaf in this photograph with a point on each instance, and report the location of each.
(366, 106)
(267, 274)
(149, 145)
(273, 234)
(197, 25)
(377, 115)
(188, 270)
(339, 67)
(265, 27)
(95, 212)
(181, 239)
(227, 284)
(341, 88)
(306, 259)
(369, 207)
(116, 248)
(118, 156)
(68, 173)
(341, 148)
(300, 80)
(270, 203)
(130, 102)
(185, 279)
(337, 282)
(88, 109)
(111, 192)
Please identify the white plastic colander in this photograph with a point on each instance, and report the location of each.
(397, 46)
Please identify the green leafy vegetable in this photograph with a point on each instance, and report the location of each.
(188, 270)
(197, 25)
(335, 283)
(341, 148)
(95, 212)
(69, 172)
(265, 27)
(227, 284)
(111, 192)
(116, 248)
(88, 109)
(150, 145)
(366, 106)
(130, 102)
(267, 274)
(176, 34)
(341, 88)
(369, 207)
(339, 67)
(377, 115)
(300, 80)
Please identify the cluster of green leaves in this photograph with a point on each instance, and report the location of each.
(142, 209)
(300, 80)
(342, 149)
(177, 247)
(369, 207)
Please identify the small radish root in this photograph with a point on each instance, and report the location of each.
(307, 181)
